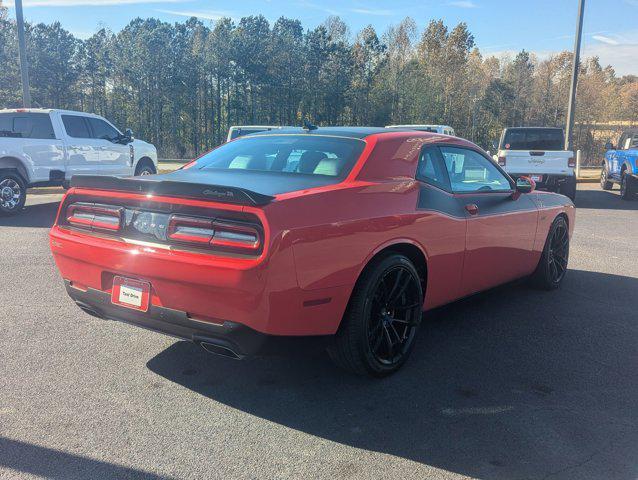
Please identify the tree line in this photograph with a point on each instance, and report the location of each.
(182, 85)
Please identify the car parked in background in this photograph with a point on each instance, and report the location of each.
(335, 235)
(46, 147)
(237, 131)
(621, 165)
(538, 153)
(442, 129)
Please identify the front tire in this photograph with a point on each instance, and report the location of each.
(13, 193)
(378, 330)
(552, 266)
(605, 184)
(627, 187)
(144, 169)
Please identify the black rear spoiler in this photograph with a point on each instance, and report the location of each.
(153, 186)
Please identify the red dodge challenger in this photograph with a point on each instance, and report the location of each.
(275, 240)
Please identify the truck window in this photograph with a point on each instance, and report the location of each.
(26, 125)
(102, 130)
(76, 126)
(533, 139)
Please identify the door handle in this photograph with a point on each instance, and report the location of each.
(472, 208)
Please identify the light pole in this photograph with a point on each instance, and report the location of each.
(571, 109)
(24, 63)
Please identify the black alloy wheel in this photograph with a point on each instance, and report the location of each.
(379, 327)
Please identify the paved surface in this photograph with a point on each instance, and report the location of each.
(512, 384)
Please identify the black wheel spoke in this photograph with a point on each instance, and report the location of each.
(395, 308)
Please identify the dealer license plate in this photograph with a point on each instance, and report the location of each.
(131, 293)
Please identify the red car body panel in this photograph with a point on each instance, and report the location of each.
(317, 242)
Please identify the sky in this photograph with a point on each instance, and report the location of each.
(500, 27)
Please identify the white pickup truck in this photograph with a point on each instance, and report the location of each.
(538, 152)
(45, 147)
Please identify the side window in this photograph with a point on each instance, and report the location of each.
(634, 141)
(102, 130)
(26, 125)
(76, 126)
(469, 171)
(621, 142)
(431, 169)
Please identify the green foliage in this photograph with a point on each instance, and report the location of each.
(182, 85)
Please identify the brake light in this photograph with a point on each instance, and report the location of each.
(502, 161)
(190, 229)
(571, 162)
(218, 234)
(234, 235)
(94, 216)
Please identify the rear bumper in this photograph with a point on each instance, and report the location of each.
(228, 338)
(208, 291)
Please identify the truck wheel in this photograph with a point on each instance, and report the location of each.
(605, 184)
(378, 330)
(569, 188)
(144, 169)
(13, 193)
(627, 187)
(552, 266)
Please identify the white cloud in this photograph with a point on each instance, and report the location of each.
(366, 11)
(204, 15)
(77, 3)
(604, 39)
(463, 4)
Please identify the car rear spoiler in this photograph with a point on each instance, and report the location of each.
(153, 186)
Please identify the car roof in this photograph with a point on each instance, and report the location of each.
(425, 125)
(534, 128)
(350, 132)
(46, 110)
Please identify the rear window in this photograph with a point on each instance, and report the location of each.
(309, 155)
(26, 125)
(533, 139)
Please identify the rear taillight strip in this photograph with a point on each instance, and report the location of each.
(94, 216)
(214, 233)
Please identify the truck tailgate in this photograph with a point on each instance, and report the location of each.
(546, 162)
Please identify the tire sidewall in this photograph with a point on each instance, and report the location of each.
(143, 168)
(549, 282)
(23, 193)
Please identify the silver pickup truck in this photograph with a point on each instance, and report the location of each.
(538, 153)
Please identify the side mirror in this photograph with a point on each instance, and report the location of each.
(128, 135)
(525, 185)
(609, 146)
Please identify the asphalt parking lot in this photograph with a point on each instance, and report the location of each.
(510, 384)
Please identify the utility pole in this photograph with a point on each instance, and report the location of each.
(571, 109)
(24, 63)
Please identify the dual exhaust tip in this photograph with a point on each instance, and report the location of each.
(222, 350)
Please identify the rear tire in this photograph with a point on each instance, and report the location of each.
(627, 187)
(605, 184)
(378, 330)
(13, 193)
(552, 266)
(568, 188)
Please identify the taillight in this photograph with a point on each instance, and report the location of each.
(502, 161)
(571, 162)
(235, 235)
(190, 229)
(217, 234)
(94, 216)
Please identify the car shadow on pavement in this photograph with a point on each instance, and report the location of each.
(41, 215)
(603, 200)
(49, 463)
(513, 383)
